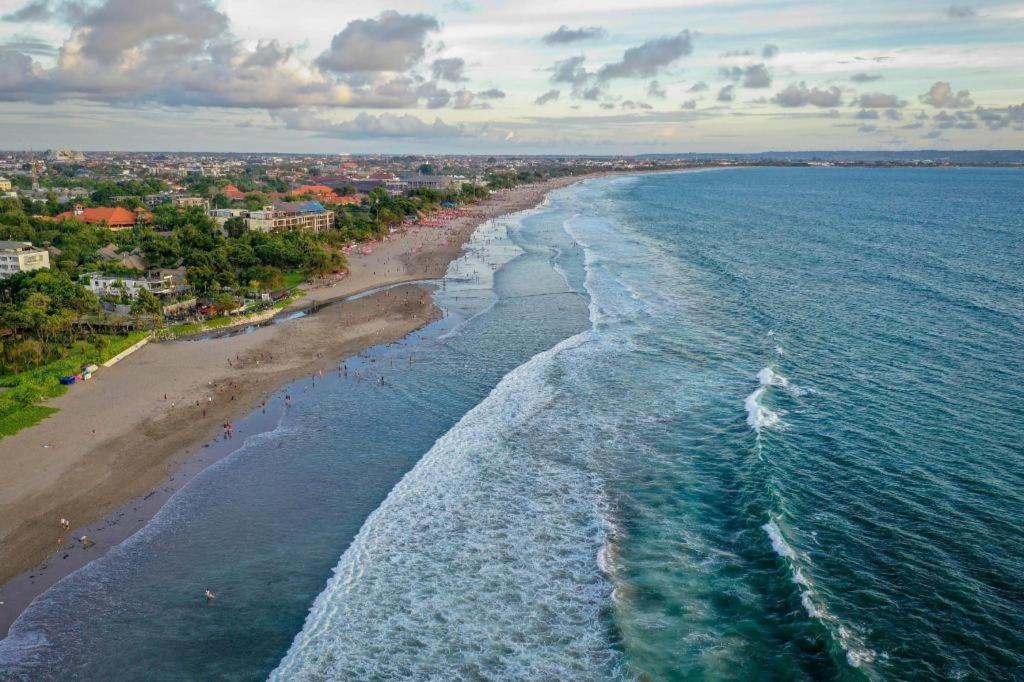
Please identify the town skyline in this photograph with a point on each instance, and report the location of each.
(462, 77)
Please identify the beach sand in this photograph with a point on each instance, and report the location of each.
(117, 441)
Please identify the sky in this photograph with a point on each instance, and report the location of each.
(511, 76)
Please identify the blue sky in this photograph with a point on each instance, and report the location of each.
(503, 76)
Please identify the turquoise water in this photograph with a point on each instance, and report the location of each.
(740, 424)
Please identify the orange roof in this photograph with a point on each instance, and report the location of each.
(111, 217)
(322, 192)
(232, 192)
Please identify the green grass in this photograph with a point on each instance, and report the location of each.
(294, 279)
(27, 416)
(19, 406)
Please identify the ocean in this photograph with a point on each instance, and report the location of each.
(736, 424)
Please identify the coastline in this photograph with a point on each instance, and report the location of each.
(118, 449)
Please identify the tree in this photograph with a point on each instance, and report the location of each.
(225, 303)
(146, 303)
(235, 227)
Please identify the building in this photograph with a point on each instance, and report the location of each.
(64, 156)
(5, 185)
(191, 202)
(102, 284)
(438, 182)
(232, 192)
(222, 215)
(321, 193)
(115, 218)
(18, 257)
(291, 216)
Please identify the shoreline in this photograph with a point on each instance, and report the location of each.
(171, 445)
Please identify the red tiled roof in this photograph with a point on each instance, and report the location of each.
(112, 217)
(232, 192)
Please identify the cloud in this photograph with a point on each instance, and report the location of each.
(941, 96)
(645, 60)
(569, 70)
(769, 51)
(799, 95)
(878, 100)
(176, 28)
(655, 90)
(464, 100)
(738, 53)
(756, 76)
(493, 93)
(37, 10)
(961, 12)
(753, 76)
(391, 42)
(893, 114)
(182, 53)
(368, 126)
(565, 35)
(868, 129)
(630, 104)
(689, 104)
(549, 96)
(727, 94)
(29, 45)
(867, 114)
(698, 87)
(865, 77)
(998, 118)
(450, 69)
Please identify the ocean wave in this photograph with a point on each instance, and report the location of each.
(857, 652)
(484, 561)
(760, 417)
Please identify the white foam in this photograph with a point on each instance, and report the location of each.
(857, 652)
(760, 417)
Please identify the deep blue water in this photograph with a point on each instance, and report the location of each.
(739, 424)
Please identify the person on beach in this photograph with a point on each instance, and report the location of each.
(65, 524)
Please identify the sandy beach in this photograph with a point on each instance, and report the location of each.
(129, 433)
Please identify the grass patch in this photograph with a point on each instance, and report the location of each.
(19, 406)
(27, 416)
(294, 279)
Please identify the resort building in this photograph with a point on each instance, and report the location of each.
(291, 216)
(438, 182)
(116, 218)
(116, 285)
(18, 257)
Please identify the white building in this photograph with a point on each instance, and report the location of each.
(18, 257)
(116, 285)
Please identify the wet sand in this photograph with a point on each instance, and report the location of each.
(122, 443)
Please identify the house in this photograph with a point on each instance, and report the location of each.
(321, 193)
(131, 259)
(18, 257)
(116, 218)
(232, 192)
(5, 185)
(191, 202)
(291, 216)
(103, 284)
